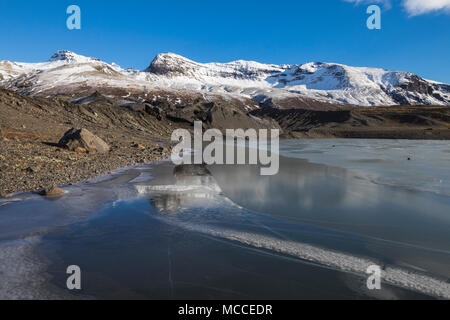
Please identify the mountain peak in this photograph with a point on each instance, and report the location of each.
(69, 56)
(169, 62)
(172, 65)
(170, 56)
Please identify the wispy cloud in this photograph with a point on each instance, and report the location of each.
(418, 7)
(412, 7)
(385, 3)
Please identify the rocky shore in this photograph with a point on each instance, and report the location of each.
(32, 160)
(34, 166)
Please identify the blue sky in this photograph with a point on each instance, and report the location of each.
(131, 33)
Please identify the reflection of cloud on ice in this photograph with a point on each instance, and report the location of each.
(196, 194)
(305, 186)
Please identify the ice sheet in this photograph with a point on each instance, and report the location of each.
(382, 161)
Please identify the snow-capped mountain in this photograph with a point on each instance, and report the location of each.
(276, 85)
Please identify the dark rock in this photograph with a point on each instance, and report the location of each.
(154, 111)
(82, 138)
(30, 170)
(52, 191)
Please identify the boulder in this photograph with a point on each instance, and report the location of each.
(82, 139)
(52, 191)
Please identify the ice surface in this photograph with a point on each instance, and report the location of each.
(218, 216)
(382, 161)
(22, 275)
(191, 198)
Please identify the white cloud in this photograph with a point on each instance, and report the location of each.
(418, 7)
(412, 7)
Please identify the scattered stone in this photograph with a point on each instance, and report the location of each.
(52, 191)
(30, 170)
(139, 146)
(82, 138)
(80, 150)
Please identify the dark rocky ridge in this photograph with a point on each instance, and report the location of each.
(401, 122)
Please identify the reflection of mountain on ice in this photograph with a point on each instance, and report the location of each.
(196, 203)
(194, 186)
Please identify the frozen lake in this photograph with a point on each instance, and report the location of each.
(226, 232)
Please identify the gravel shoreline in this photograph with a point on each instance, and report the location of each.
(30, 129)
(31, 166)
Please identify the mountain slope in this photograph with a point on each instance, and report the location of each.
(284, 86)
